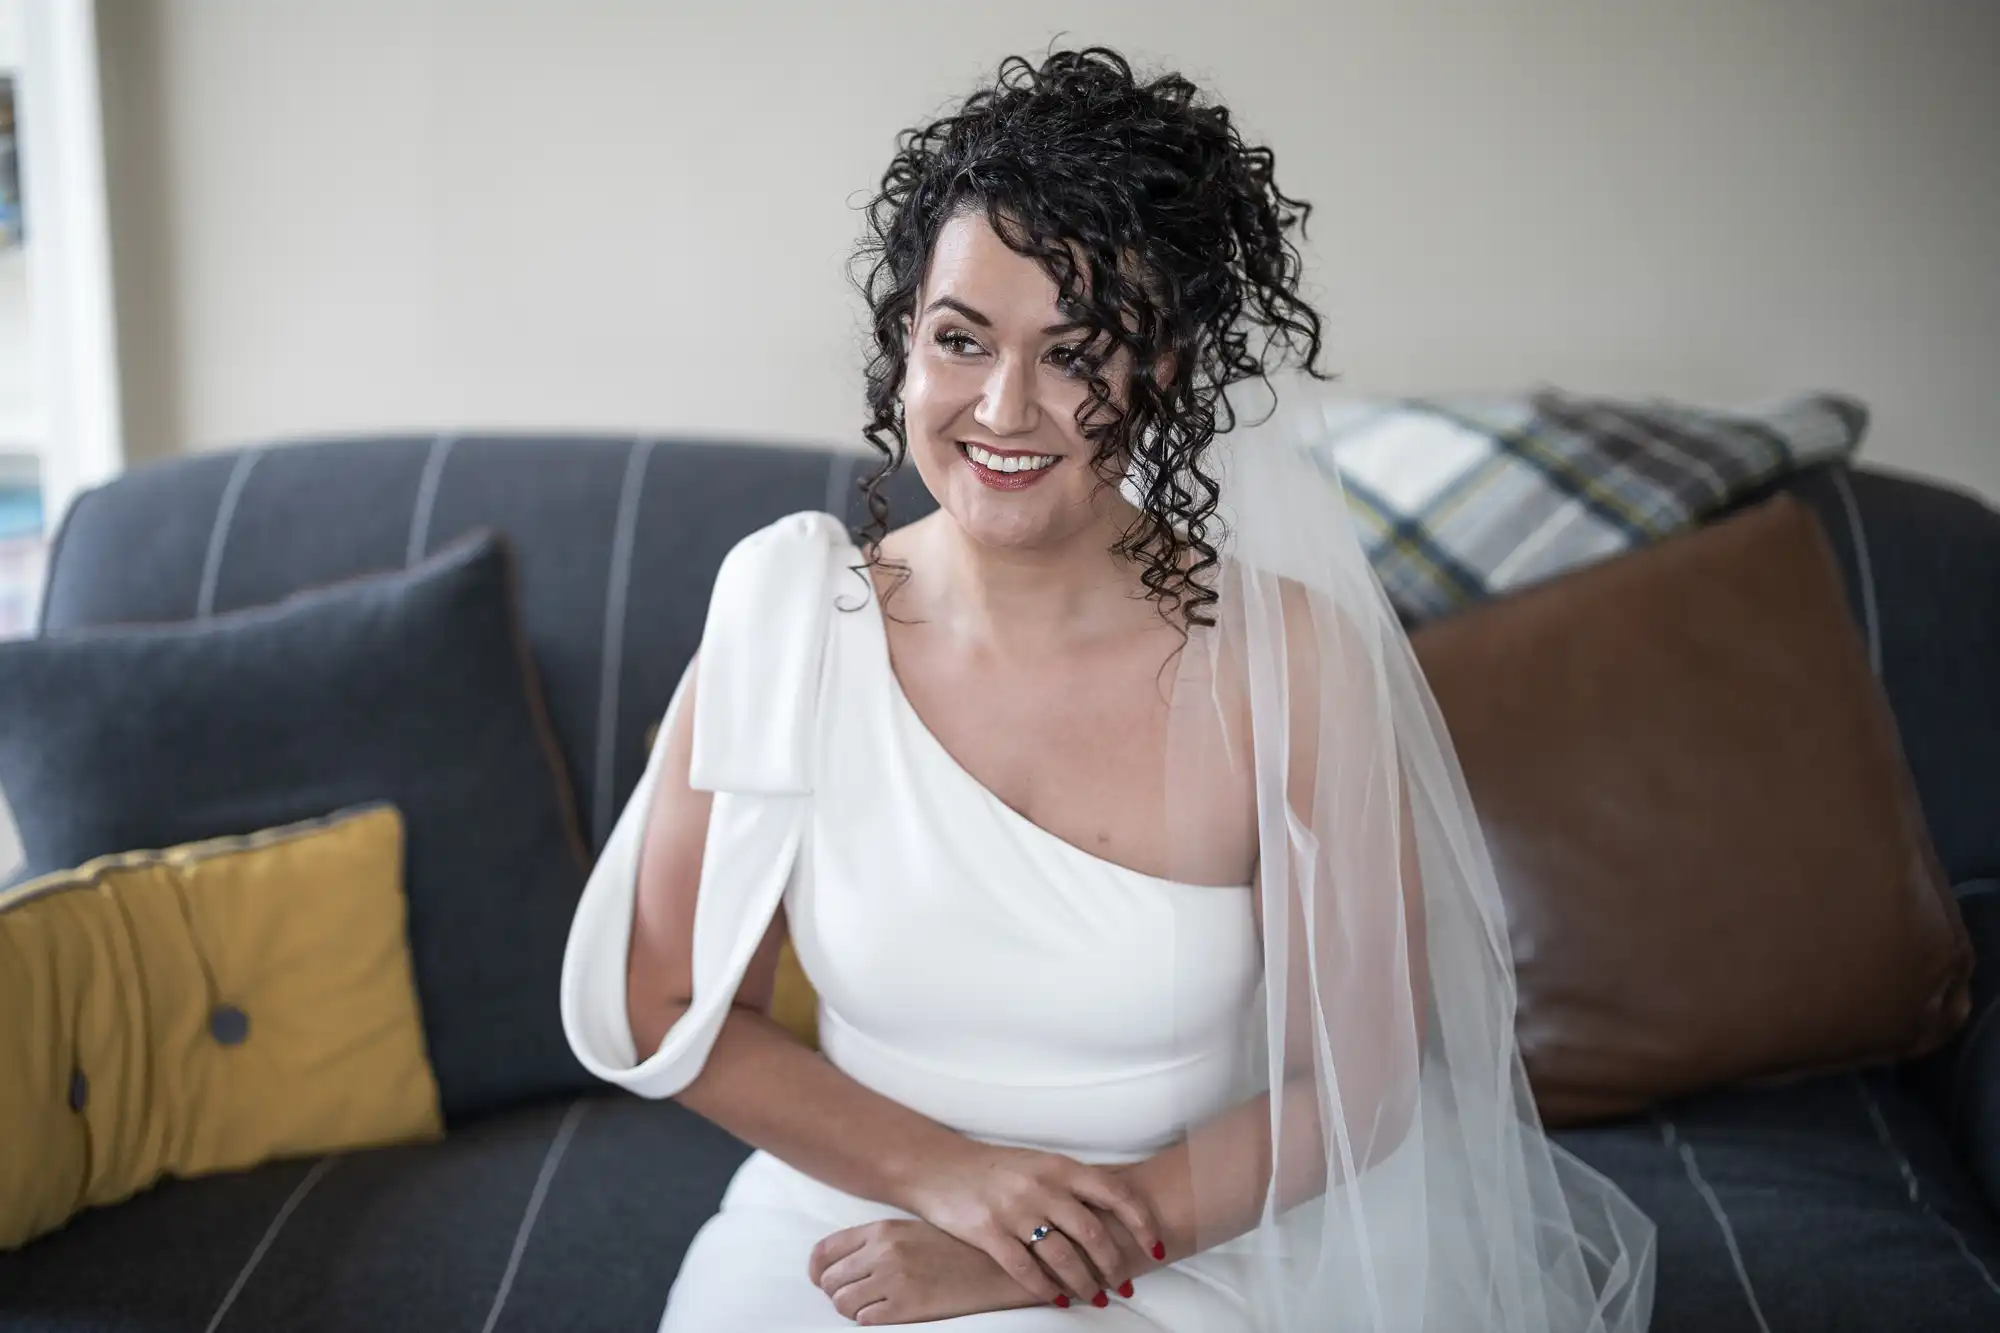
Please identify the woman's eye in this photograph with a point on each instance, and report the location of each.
(1072, 361)
(956, 343)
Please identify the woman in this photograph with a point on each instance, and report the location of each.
(1161, 977)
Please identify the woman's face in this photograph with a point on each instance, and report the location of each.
(996, 376)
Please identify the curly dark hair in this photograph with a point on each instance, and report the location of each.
(1164, 233)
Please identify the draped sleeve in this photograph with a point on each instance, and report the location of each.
(756, 701)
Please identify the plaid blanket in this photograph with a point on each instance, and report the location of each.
(1458, 499)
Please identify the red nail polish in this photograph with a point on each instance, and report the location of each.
(1062, 1301)
(1159, 1250)
(1100, 1300)
(1125, 1288)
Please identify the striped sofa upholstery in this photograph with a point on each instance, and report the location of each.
(1843, 1203)
(616, 542)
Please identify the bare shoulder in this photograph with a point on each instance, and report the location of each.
(1299, 650)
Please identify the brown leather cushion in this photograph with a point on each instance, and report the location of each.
(1713, 861)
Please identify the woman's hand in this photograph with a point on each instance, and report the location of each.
(993, 1198)
(903, 1271)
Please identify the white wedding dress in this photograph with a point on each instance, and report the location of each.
(980, 970)
(968, 963)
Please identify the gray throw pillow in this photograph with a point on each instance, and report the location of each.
(414, 688)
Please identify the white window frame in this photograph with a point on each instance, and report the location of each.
(75, 331)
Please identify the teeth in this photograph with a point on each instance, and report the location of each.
(1008, 462)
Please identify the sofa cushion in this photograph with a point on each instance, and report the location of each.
(410, 688)
(1714, 864)
(568, 1216)
(1836, 1200)
(1834, 1205)
(181, 1013)
(1461, 498)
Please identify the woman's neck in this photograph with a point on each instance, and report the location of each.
(1024, 598)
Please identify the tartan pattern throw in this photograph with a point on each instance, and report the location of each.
(1458, 499)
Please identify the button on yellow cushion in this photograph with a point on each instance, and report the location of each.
(203, 1009)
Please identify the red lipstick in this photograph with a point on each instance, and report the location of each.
(1006, 481)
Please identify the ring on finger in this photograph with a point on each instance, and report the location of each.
(1040, 1233)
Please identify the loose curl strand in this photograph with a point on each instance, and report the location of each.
(1164, 234)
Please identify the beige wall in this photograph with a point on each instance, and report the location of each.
(384, 214)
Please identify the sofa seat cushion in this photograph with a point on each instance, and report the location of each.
(1807, 1183)
(422, 1239)
(1831, 1205)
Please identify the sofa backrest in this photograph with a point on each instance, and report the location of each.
(617, 541)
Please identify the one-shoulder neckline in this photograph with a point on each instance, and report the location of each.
(900, 700)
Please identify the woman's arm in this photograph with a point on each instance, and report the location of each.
(1233, 1149)
(775, 1094)
(758, 1082)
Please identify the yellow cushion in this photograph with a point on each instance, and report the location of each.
(206, 1008)
(794, 1002)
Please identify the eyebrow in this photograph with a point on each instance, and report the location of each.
(953, 303)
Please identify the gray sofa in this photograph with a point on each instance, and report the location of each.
(1856, 1202)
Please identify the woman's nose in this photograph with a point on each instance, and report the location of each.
(1007, 404)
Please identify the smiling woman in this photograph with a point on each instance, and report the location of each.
(1081, 262)
(994, 393)
(1159, 965)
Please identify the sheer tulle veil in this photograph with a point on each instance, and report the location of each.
(1407, 1182)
